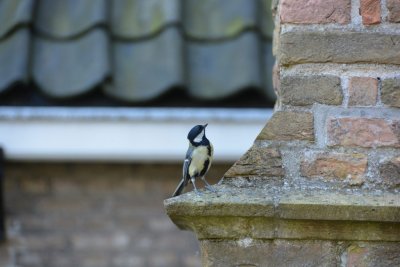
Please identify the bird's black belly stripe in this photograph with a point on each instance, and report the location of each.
(205, 168)
(209, 151)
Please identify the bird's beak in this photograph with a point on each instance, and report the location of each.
(205, 125)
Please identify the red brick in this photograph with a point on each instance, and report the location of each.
(261, 161)
(338, 46)
(363, 132)
(103, 241)
(315, 11)
(394, 10)
(355, 255)
(303, 90)
(336, 166)
(370, 11)
(261, 252)
(382, 254)
(34, 185)
(390, 172)
(289, 125)
(363, 91)
(390, 93)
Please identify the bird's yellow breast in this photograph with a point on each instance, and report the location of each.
(199, 156)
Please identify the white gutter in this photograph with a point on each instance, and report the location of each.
(124, 134)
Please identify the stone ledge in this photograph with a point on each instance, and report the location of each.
(238, 213)
(340, 207)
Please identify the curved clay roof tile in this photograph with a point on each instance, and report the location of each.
(146, 69)
(220, 69)
(14, 59)
(67, 19)
(13, 13)
(65, 69)
(138, 18)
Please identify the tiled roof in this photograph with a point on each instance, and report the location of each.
(136, 49)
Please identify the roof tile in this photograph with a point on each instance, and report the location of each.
(64, 19)
(14, 50)
(145, 69)
(14, 58)
(216, 19)
(220, 69)
(69, 68)
(14, 12)
(220, 51)
(138, 18)
(267, 22)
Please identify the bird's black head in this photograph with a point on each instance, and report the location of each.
(197, 135)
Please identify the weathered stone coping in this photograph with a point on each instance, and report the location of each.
(235, 213)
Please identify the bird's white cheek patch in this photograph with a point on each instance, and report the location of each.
(199, 137)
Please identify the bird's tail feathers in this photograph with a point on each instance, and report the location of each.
(179, 188)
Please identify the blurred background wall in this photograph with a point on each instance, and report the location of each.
(80, 214)
(96, 99)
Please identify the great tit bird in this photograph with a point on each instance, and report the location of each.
(198, 159)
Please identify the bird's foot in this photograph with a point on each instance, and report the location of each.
(198, 192)
(211, 188)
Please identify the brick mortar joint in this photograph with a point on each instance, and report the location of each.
(388, 29)
(342, 69)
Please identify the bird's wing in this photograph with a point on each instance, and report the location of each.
(185, 170)
(186, 163)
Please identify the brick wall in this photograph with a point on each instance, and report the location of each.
(321, 184)
(337, 77)
(64, 214)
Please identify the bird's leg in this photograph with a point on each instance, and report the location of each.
(194, 186)
(208, 186)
